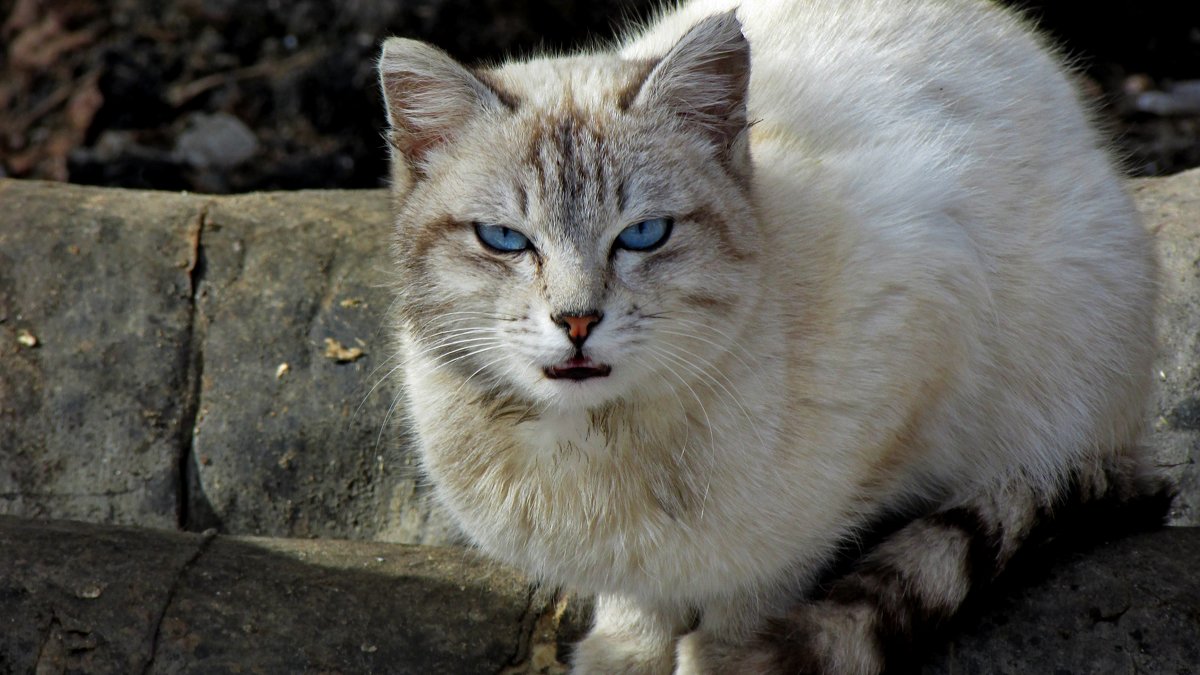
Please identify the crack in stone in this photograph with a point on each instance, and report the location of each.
(68, 495)
(207, 537)
(329, 289)
(197, 267)
(537, 642)
(48, 654)
(528, 618)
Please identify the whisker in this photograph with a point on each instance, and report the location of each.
(387, 416)
(466, 315)
(710, 342)
(654, 353)
(395, 355)
(687, 428)
(381, 380)
(732, 394)
(439, 366)
(441, 344)
(477, 371)
(469, 354)
(731, 340)
(451, 341)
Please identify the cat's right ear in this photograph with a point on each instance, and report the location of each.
(429, 97)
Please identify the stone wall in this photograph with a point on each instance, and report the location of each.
(186, 362)
(189, 362)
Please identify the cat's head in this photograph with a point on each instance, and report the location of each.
(573, 230)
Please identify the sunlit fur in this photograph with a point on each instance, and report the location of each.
(903, 275)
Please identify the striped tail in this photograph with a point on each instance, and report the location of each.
(921, 575)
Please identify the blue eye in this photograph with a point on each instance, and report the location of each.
(646, 235)
(501, 238)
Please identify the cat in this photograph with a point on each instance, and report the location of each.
(683, 319)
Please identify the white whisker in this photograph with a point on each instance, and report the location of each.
(729, 338)
(730, 391)
(654, 353)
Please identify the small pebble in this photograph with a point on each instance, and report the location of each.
(90, 592)
(27, 339)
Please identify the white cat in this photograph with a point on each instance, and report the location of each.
(681, 320)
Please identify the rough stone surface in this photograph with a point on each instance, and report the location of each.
(102, 599)
(154, 315)
(76, 598)
(95, 327)
(292, 440)
(87, 598)
(1171, 208)
(342, 606)
(1131, 606)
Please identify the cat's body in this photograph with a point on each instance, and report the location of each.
(913, 283)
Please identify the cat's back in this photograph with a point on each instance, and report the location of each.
(848, 73)
(916, 107)
(921, 128)
(931, 164)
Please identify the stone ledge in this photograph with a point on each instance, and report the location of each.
(141, 339)
(144, 337)
(78, 597)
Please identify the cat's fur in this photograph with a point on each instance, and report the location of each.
(903, 277)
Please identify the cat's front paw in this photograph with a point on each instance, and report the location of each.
(620, 654)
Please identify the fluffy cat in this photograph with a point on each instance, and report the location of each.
(681, 319)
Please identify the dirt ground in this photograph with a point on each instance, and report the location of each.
(227, 96)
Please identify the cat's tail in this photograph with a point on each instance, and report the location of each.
(922, 574)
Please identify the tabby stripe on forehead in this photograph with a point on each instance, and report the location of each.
(523, 200)
(583, 157)
(570, 178)
(570, 158)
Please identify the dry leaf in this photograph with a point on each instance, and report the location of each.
(338, 352)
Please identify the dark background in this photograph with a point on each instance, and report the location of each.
(236, 95)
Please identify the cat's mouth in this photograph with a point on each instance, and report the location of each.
(577, 368)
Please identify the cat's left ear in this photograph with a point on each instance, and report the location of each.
(705, 80)
(429, 98)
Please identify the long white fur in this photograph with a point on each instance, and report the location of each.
(950, 292)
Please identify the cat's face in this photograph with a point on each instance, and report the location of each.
(573, 239)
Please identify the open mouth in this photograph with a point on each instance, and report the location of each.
(578, 368)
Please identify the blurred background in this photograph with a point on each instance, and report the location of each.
(227, 96)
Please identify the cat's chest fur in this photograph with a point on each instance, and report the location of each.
(628, 496)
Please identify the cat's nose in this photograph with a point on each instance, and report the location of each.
(578, 326)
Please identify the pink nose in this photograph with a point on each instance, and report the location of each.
(578, 325)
